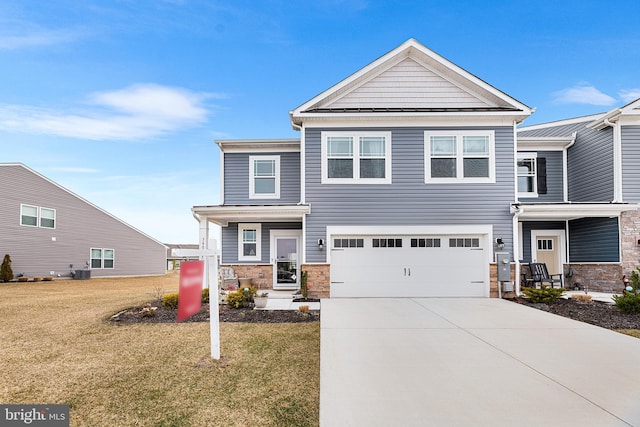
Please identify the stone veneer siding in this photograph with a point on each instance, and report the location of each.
(262, 274)
(630, 230)
(318, 280)
(594, 277)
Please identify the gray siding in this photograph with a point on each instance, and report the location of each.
(590, 166)
(528, 226)
(594, 240)
(408, 200)
(79, 227)
(554, 179)
(236, 179)
(631, 163)
(230, 241)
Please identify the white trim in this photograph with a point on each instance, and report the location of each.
(294, 233)
(221, 177)
(387, 120)
(223, 215)
(459, 179)
(38, 216)
(252, 177)
(528, 156)
(250, 226)
(102, 258)
(561, 252)
(563, 211)
(617, 162)
(356, 179)
(303, 160)
(22, 205)
(290, 145)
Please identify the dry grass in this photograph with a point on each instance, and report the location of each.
(58, 348)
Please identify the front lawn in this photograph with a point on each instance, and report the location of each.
(57, 347)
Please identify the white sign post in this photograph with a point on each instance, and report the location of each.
(211, 281)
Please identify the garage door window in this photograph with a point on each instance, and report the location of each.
(425, 243)
(387, 243)
(464, 243)
(348, 243)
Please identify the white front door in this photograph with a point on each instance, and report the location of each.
(547, 246)
(285, 247)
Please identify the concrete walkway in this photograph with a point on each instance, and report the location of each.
(471, 362)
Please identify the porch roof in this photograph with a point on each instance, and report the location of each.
(569, 210)
(224, 214)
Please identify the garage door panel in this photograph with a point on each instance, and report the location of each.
(423, 267)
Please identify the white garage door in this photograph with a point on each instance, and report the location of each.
(409, 266)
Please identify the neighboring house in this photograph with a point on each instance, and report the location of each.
(578, 195)
(50, 231)
(174, 261)
(403, 183)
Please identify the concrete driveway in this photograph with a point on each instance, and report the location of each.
(471, 362)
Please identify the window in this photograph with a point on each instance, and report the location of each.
(102, 258)
(356, 157)
(527, 182)
(348, 243)
(387, 243)
(425, 243)
(29, 215)
(464, 156)
(35, 216)
(264, 181)
(545, 244)
(464, 243)
(249, 239)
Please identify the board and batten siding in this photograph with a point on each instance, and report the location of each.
(236, 179)
(631, 163)
(79, 226)
(590, 166)
(408, 200)
(230, 241)
(594, 240)
(555, 184)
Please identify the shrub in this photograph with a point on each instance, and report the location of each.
(627, 303)
(6, 273)
(242, 297)
(581, 297)
(205, 296)
(304, 288)
(170, 301)
(545, 294)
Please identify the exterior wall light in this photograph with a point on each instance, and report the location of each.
(500, 243)
(320, 244)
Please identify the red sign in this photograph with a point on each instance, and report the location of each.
(190, 292)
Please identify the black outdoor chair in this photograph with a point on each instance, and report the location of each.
(540, 275)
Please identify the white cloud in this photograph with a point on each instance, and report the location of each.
(38, 37)
(629, 95)
(582, 94)
(135, 112)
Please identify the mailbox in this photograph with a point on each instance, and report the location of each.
(503, 260)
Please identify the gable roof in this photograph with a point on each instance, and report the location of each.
(630, 111)
(408, 81)
(21, 165)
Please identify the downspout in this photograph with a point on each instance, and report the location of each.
(617, 159)
(565, 166)
(517, 210)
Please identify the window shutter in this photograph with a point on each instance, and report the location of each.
(541, 166)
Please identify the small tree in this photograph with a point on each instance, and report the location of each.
(6, 273)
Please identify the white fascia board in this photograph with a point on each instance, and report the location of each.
(544, 143)
(222, 215)
(259, 145)
(601, 122)
(567, 211)
(408, 120)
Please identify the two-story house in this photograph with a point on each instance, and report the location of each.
(400, 185)
(578, 193)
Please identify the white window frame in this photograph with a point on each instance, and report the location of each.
(459, 178)
(246, 226)
(38, 216)
(102, 258)
(528, 156)
(252, 178)
(355, 179)
(22, 206)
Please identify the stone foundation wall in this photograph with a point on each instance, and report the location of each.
(262, 274)
(318, 279)
(594, 277)
(630, 230)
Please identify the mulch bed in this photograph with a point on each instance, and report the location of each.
(594, 312)
(153, 312)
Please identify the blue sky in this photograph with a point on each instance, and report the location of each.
(121, 101)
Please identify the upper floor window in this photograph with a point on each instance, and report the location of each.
(264, 180)
(356, 157)
(249, 242)
(527, 182)
(459, 156)
(35, 216)
(102, 258)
